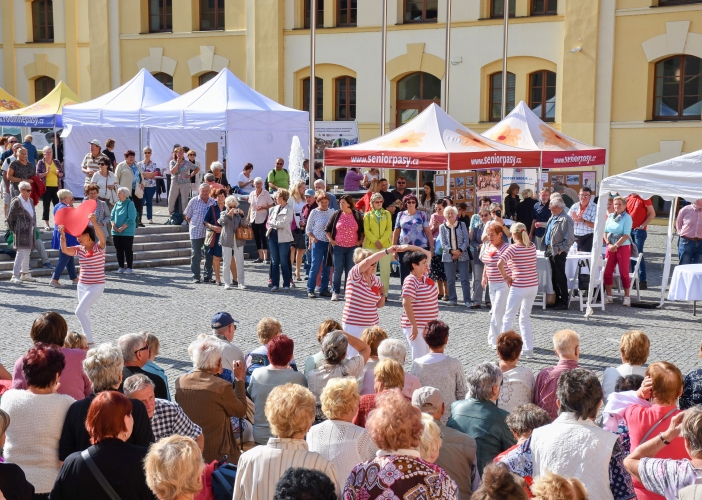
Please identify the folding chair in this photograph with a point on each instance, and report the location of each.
(598, 288)
(633, 276)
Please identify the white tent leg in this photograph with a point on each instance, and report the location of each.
(596, 254)
(538, 182)
(668, 247)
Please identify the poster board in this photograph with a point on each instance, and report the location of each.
(462, 189)
(525, 177)
(333, 135)
(211, 153)
(574, 179)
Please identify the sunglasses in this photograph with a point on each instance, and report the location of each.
(192, 154)
(145, 348)
(484, 215)
(401, 182)
(28, 190)
(411, 202)
(147, 152)
(279, 163)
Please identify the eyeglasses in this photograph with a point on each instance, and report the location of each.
(192, 155)
(401, 182)
(28, 190)
(145, 348)
(585, 195)
(484, 215)
(147, 152)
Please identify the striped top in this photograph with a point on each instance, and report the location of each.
(360, 308)
(425, 301)
(522, 264)
(92, 264)
(490, 258)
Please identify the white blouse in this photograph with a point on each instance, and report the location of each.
(517, 388)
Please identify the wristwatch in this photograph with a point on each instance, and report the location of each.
(660, 435)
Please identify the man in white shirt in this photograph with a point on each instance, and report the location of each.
(223, 328)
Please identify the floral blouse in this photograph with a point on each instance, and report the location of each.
(667, 477)
(692, 390)
(151, 167)
(411, 228)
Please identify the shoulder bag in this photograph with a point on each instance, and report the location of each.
(138, 189)
(653, 428)
(210, 234)
(85, 455)
(244, 231)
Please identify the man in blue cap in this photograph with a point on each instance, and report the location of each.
(223, 328)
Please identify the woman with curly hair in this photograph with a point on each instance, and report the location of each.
(174, 468)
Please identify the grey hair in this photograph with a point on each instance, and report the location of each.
(202, 186)
(450, 210)
(63, 194)
(526, 418)
(334, 347)
(545, 189)
(124, 190)
(136, 383)
(24, 185)
(495, 206)
(558, 188)
(692, 430)
(206, 352)
(103, 366)
(579, 392)
(481, 379)
(209, 177)
(128, 344)
(320, 182)
(557, 201)
(231, 201)
(527, 193)
(375, 197)
(216, 166)
(47, 148)
(393, 349)
(257, 180)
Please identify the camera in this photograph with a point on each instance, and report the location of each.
(498, 213)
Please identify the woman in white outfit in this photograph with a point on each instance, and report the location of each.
(230, 219)
(523, 284)
(491, 274)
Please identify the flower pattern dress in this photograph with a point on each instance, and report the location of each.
(411, 228)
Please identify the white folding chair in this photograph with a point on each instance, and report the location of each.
(540, 300)
(598, 277)
(633, 277)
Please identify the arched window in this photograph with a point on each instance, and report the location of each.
(319, 97)
(320, 13)
(497, 8)
(42, 86)
(542, 94)
(165, 79)
(544, 7)
(345, 95)
(415, 92)
(160, 16)
(346, 12)
(206, 77)
(43, 20)
(495, 111)
(211, 15)
(420, 11)
(678, 89)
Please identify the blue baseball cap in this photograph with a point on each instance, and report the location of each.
(222, 319)
(309, 192)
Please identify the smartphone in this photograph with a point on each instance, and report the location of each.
(498, 213)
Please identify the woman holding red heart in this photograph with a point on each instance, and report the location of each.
(419, 300)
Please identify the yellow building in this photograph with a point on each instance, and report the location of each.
(623, 74)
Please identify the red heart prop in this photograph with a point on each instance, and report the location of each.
(375, 290)
(429, 281)
(75, 220)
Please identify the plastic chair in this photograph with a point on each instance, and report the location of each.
(598, 288)
(633, 276)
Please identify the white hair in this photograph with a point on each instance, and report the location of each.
(257, 180)
(24, 185)
(103, 366)
(231, 201)
(557, 201)
(216, 166)
(204, 185)
(129, 344)
(393, 349)
(47, 148)
(320, 183)
(450, 210)
(206, 352)
(127, 192)
(136, 383)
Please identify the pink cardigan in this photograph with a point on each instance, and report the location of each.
(74, 381)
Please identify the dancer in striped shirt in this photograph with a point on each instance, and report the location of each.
(523, 284)
(91, 283)
(419, 300)
(491, 274)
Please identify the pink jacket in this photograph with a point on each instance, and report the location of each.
(74, 381)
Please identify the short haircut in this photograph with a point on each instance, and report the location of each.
(692, 430)
(557, 201)
(400, 177)
(500, 482)
(206, 352)
(90, 187)
(49, 328)
(666, 380)
(4, 421)
(283, 193)
(47, 149)
(450, 210)
(565, 342)
(579, 392)
(24, 185)
(173, 467)
(209, 177)
(376, 197)
(258, 180)
(231, 201)
(75, 340)
(290, 410)
(509, 345)
(129, 153)
(409, 197)
(495, 206)
(393, 349)
(152, 343)
(298, 483)
(436, 333)
(217, 191)
(349, 200)
(326, 326)
(106, 416)
(550, 486)
(320, 195)
(628, 383)
(635, 347)
(462, 205)
(373, 336)
(216, 165)
(493, 229)
(360, 254)
(586, 189)
(484, 199)
(430, 442)
(267, 329)
(90, 231)
(248, 166)
(126, 191)
(41, 364)
(64, 193)
(394, 424)
(136, 383)
(340, 397)
(481, 379)
(129, 344)
(412, 259)
(280, 350)
(103, 365)
(109, 143)
(389, 373)
(526, 418)
(527, 193)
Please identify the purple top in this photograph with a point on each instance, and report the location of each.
(352, 180)
(74, 381)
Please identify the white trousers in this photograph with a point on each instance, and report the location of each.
(87, 296)
(21, 262)
(356, 331)
(498, 298)
(521, 299)
(418, 346)
(238, 259)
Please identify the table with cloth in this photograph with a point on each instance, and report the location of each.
(686, 284)
(543, 269)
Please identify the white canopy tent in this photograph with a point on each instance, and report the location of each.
(114, 115)
(679, 177)
(257, 128)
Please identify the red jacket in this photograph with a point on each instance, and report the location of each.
(38, 190)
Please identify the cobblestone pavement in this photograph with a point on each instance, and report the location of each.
(165, 302)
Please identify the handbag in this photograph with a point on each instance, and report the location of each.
(138, 189)
(210, 236)
(244, 233)
(85, 455)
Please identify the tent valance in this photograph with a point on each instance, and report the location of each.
(46, 113)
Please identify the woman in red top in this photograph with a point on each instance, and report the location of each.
(491, 274)
(523, 284)
(91, 282)
(345, 233)
(419, 301)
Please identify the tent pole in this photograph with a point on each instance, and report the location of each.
(313, 78)
(505, 34)
(448, 180)
(448, 56)
(538, 181)
(417, 177)
(384, 46)
(668, 247)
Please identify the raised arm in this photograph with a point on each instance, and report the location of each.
(68, 251)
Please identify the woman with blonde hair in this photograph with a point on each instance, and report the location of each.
(430, 442)
(297, 250)
(523, 284)
(364, 204)
(372, 336)
(377, 228)
(230, 219)
(174, 468)
(280, 238)
(634, 347)
(551, 486)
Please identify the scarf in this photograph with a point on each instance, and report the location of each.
(378, 213)
(452, 232)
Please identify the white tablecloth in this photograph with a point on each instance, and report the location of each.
(543, 268)
(686, 283)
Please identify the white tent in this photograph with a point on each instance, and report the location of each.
(679, 177)
(114, 115)
(257, 128)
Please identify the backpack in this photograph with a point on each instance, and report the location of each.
(265, 182)
(176, 219)
(223, 479)
(257, 361)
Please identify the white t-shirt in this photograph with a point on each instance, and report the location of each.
(243, 178)
(612, 374)
(298, 206)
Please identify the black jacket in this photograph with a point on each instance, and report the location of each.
(160, 389)
(14, 484)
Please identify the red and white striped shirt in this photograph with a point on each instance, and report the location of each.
(360, 308)
(92, 264)
(425, 301)
(490, 258)
(522, 264)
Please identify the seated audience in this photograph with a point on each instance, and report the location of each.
(298, 483)
(436, 369)
(135, 353)
(634, 347)
(174, 468)
(624, 395)
(692, 387)
(75, 340)
(103, 365)
(336, 364)
(265, 379)
(517, 381)
(316, 360)
(290, 410)
(551, 486)
(13, 482)
(479, 417)
(430, 442)
(395, 349)
(522, 421)
(388, 375)
(109, 423)
(372, 336)
(154, 346)
(223, 328)
(210, 401)
(167, 417)
(337, 439)
(457, 454)
(566, 344)
(51, 328)
(396, 429)
(500, 484)
(267, 329)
